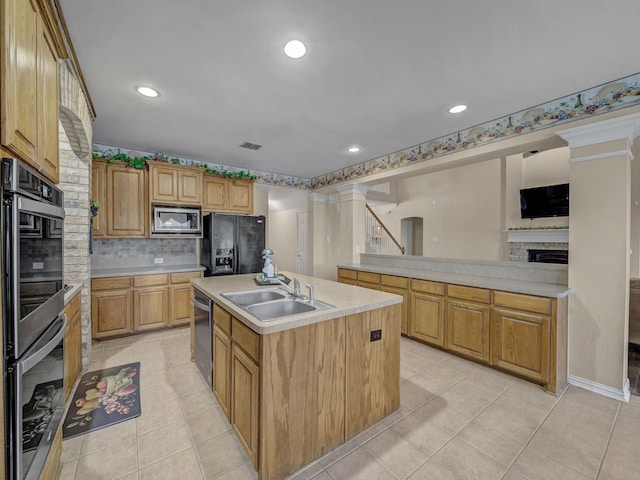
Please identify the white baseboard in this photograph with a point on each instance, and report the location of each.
(617, 394)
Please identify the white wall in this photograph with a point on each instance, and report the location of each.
(283, 205)
(460, 207)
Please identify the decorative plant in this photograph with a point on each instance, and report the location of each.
(228, 173)
(94, 207)
(140, 162)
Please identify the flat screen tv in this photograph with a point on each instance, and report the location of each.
(548, 201)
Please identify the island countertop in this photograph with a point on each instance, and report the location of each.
(347, 299)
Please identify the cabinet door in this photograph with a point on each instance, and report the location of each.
(347, 276)
(151, 308)
(164, 184)
(467, 329)
(244, 401)
(126, 202)
(215, 194)
(72, 345)
(99, 194)
(111, 313)
(241, 196)
(404, 327)
(426, 318)
(21, 30)
(520, 343)
(48, 107)
(222, 369)
(181, 308)
(190, 187)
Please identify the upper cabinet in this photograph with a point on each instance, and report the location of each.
(121, 191)
(227, 194)
(173, 184)
(29, 101)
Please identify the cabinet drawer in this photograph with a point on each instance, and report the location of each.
(110, 283)
(368, 277)
(150, 280)
(469, 293)
(344, 273)
(184, 277)
(426, 286)
(523, 302)
(222, 318)
(393, 281)
(245, 337)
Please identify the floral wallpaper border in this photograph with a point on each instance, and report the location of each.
(614, 95)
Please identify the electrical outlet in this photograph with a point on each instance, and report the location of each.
(38, 265)
(158, 260)
(375, 335)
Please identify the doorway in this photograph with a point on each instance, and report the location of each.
(411, 235)
(302, 249)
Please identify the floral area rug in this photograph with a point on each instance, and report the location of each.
(103, 398)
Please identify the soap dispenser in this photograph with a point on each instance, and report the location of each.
(267, 270)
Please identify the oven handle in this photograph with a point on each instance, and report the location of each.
(41, 351)
(39, 208)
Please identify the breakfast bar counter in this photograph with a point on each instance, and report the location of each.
(297, 387)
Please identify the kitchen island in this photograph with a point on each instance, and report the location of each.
(297, 387)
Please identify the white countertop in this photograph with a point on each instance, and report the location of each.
(129, 271)
(347, 299)
(507, 285)
(73, 290)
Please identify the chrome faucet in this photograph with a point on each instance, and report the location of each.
(295, 291)
(312, 298)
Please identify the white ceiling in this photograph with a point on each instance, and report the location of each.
(380, 74)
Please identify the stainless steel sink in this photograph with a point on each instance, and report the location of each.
(274, 304)
(250, 297)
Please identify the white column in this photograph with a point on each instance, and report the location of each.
(599, 253)
(352, 221)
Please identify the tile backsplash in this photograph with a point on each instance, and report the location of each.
(141, 252)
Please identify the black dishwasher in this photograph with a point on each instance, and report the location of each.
(203, 328)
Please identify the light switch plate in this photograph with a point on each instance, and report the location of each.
(158, 260)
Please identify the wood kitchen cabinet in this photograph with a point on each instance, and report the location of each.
(245, 390)
(347, 276)
(111, 307)
(174, 184)
(180, 295)
(121, 191)
(368, 280)
(426, 311)
(150, 302)
(231, 195)
(399, 286)
(236, 377)
(73, 344)
(468, 321)
(521, 334)
(29, 104)
(131, 304)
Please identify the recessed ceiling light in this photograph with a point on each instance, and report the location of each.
(353, 149)
(458, 109)
(147, 92)
(295, 49)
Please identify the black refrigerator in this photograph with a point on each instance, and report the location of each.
(232, 244)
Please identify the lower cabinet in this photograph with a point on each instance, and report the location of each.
(426, 311)
(125, 305)
(398, 286)
(468, 329)
(222, 368)
(72, 344)
(525, 335)
(245, 382)
(236, 377)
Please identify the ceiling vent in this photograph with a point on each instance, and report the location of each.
(251, 146)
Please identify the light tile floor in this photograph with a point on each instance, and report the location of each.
(458, 420)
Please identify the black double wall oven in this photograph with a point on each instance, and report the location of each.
(32, 319)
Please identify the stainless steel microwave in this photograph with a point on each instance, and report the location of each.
(176, 221)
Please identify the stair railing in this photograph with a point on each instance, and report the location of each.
(379, 236)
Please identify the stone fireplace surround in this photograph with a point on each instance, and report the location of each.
(521, 241)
